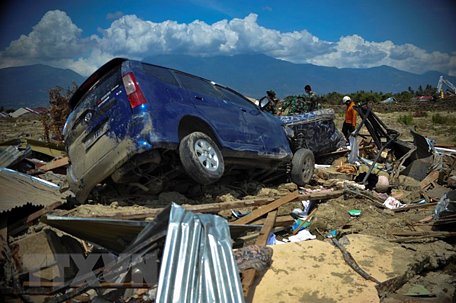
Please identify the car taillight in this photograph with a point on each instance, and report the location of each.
(134, 93)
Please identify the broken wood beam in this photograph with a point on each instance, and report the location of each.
(57, 163)
(267, 228)
(267, 208)
(405, 208)
(53, 284)
(280, 221)
(426, 234)
(429, 179)
(249, 274)
(216, 207)
(365, 194)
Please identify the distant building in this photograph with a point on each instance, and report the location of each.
(28, 112)
(390, 100)
(423, 98)
(4, 115)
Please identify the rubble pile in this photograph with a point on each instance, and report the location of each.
(376, 225)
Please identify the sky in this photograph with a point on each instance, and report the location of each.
(411, 35)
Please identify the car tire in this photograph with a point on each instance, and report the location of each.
(201, 158)
(302, 166)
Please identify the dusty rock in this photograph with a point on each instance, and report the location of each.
(225, 198)
(168, 197)
(408, 183)
(268, 192)
(287, 187)
(452, 181)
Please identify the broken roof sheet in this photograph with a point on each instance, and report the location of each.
(18, 189)
(12, 154)
(198, 263)
(115, 234)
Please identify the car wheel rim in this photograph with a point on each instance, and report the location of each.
(207, 156)
(306, 168)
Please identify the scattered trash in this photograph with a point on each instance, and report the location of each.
(302, 235)
(331, 234)
(418, 290)
(393, 203)
(354, 212)
(237, 214)
(299, 225)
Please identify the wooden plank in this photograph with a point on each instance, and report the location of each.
(22, 224)
(427, 181)
(405, 208)
(267, 228)
(284, 220)
(249, 274)
(216, 207)
(54, 164)
(95, 285)
(248, 277)
(267, 208)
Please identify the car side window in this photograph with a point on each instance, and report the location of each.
(197, 85)
(163, 74)
(235, 98)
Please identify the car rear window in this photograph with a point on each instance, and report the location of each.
(101, 89)
(163, 74)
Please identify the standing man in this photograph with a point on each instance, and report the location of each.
(350, 117)
(270, 102)
(311, 97)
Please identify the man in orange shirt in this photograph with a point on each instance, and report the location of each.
(350, 117)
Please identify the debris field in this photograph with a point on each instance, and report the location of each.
(373, 226)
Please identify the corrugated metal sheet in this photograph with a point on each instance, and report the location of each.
(116, 234)
(12, 154)
(18, 189)
(198, 263)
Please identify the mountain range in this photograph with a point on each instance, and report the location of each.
(251, 75)
(29, 85)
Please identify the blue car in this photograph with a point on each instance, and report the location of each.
(145, 125)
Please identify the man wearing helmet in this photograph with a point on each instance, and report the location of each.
(350, 117)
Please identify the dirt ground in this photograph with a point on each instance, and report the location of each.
(331, 214)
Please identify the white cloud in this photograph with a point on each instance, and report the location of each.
(57, 41)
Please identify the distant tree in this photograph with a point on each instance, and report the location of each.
(405, 96)
(419, 92)
(410, 90)
(429, 90)
(58, 112)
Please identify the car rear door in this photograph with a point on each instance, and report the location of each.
(98, 122)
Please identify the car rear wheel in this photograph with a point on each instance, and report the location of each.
(302, 166)
(201, 158)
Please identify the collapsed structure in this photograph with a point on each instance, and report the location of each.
(238, 247)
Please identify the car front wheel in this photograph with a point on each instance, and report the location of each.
(302, 166)
(201, 158)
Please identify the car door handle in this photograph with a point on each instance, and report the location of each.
(199, 98)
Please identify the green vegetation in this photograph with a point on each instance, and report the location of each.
(405, 119)
(441, 119)
(335, 98)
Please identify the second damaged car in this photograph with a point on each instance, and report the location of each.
(144, 125)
